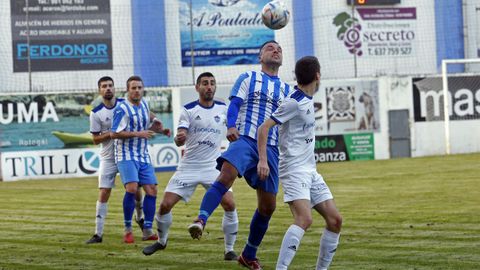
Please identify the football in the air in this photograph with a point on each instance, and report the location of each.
(275, 15)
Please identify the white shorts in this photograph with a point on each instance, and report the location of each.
(302, 185)
(184, 183)
(106, 174)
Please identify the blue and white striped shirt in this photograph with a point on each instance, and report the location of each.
(129, 117)
(261, 95)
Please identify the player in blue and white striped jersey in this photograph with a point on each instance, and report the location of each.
(254, 97)
(303, 187)
(131, 130)
(201, 129)
(100, 126)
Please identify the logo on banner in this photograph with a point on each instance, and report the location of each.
(349, 30)
(379, 32)
(89, 162)
(167, 156)
(341, 103)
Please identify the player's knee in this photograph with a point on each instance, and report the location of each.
(334, 223)
(228, 205)
(228, 174)
(267, 209)
(304, 222)
(150, 190)
(165, 207)
(131, 187)
(104, 195)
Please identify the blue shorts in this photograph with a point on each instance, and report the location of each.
(243, 155)
(135, 171)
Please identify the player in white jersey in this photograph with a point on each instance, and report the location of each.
(254, 97)
(201, 129)
(100, 125)
(304, 188)
(131, 129)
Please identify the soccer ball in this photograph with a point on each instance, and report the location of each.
(275, 15)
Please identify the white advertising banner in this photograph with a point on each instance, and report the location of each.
(375, 40)
(69, 163)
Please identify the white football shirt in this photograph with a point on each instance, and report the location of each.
(296, 118)
(206, 130)
(101, 122)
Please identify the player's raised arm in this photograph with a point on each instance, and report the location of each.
(232, 114)
(262, 167)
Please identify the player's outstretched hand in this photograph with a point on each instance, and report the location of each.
(262, 169)
(232, 134)
(156, 126)
(167, 132)
(146, 134)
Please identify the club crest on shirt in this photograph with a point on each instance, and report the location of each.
(217, 118)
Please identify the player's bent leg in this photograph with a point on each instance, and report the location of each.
(149, 204)
(291, 240)
(212, 198)
(330, 213)
(259, 224)
(302, 213)
(104, 194)
(266, 202)
(229, 226)
(330, 235)
(128, 209)
(164, 216)
(164, 221)
(169, 201)
(101, 210)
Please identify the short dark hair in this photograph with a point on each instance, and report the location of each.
(134, 78)
(104, 79)
(204, 74)
(267, 42)
(306, 68)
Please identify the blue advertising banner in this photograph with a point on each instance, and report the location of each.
(225, 32)
(58, 121)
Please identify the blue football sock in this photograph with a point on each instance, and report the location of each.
(149, 210)
(258, 228)
(128, 208)
(211, 200)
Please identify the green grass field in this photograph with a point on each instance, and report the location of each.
(421, 213)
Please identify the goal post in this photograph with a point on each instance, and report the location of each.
(446, 103)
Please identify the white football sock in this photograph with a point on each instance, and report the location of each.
(101, 214)
(230, 229)
(290, 244)
(328, 246)
(163, 224)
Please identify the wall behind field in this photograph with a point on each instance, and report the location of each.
(151, 38)
(378, 50)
